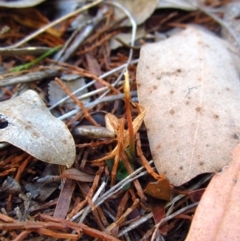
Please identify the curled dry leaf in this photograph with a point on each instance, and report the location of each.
(112, 124)
(25, 122)
(191, 91)
(219, 206)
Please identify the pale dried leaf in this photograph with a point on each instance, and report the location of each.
(139, 9)
(179, 4)
(112, 122)
(19, 4)
(27, 124)
(219, 206)
(191, 91)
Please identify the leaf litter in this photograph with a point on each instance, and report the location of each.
(86, 197)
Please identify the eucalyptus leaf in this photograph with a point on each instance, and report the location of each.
(189, 85)
(26, 122)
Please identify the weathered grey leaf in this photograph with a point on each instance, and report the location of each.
(56, 93)
(25, 122)
(191, 91)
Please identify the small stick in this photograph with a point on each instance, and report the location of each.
(119, 150)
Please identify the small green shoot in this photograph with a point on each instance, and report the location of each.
(121, 172)
(37, 60)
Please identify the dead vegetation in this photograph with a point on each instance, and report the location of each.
(112, 190)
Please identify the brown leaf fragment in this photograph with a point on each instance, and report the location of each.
(160, 189)
(77, 175)
(26, 122)
(158, 211)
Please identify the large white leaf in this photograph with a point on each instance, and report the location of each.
(25, 122)
(191, 91)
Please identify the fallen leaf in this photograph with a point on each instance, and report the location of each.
(20, 4)
(139, 9)
(25, 122)
(73, 82)
(219, 207)
(190, 88)
(126, 38)
(159, 212)
(161, 189)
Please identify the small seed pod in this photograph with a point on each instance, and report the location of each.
(92, 132)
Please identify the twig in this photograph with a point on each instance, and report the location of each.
(91, 83)
(31, 77)
(96, 102)
(134, 27)
(72, 45)
(119, 186)
(78, 102)
(24, 51)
